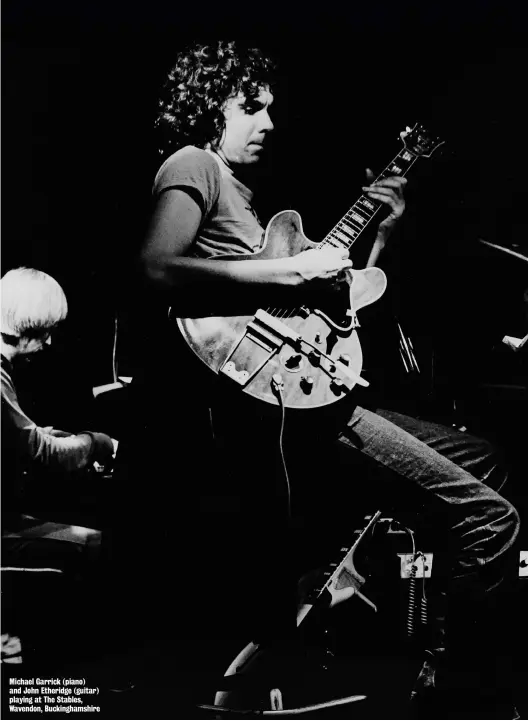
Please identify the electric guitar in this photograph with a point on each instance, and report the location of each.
(308, 356)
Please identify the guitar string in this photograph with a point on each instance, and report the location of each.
(284, 312)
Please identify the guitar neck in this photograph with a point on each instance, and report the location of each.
(345, 233)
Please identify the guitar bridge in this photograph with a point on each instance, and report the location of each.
(264, 336)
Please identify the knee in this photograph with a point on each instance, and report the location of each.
(507, 521)
(495, 472)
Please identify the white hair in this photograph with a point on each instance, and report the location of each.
(32, 302)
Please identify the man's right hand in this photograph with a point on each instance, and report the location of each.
(320, 265)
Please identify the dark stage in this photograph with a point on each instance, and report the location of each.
(80, 87)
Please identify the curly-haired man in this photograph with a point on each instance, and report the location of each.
(215, 119)
(193, 98)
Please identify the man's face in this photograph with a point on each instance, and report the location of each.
(28, 346)
(247, 125)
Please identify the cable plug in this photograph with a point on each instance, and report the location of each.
(277, 382)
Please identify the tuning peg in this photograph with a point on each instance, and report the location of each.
(405, 132)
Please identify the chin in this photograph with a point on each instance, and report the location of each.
(247, 159)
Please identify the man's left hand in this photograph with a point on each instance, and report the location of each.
(388, 191)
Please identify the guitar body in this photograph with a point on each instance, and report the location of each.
(304, 357)
(315, 351)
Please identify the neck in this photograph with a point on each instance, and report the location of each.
(222, 157)
(243, 172)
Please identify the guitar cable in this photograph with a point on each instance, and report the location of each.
(277, 385)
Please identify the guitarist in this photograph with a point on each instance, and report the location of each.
(215, 117)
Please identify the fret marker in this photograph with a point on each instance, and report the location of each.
(341, 236)
(406, 155)
(357, 218)
(396, 169)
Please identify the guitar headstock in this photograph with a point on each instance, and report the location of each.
(418, 140)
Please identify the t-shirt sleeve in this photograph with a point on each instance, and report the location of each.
(194, 171)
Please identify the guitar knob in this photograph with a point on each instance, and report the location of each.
(337, 386)
(314, 357)
(293, 362)
(344, 358)
(317, 338)
(307, 383)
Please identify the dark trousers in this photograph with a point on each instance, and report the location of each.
(454, 479)
(199, 524)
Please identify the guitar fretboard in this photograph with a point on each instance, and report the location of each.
(354, 222)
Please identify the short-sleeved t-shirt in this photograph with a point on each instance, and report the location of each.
(229, 223)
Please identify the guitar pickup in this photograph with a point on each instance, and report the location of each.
(277, 326)
(264, 336)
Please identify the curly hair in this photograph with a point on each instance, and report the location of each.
(199, 84)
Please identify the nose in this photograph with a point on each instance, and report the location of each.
(266, 124)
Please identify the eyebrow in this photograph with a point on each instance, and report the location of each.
(258, 101)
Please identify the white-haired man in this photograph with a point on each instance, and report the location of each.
(33, 304)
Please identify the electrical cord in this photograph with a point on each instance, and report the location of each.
(277, 386)
(412, 602)
(423, 605)
(114, 351)
(211, 424)
(412, 607)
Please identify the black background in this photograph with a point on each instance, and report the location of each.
(80, 84)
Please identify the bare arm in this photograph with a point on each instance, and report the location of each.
(375, 253)
(390, 192)
(173, 228)
(174, 225)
